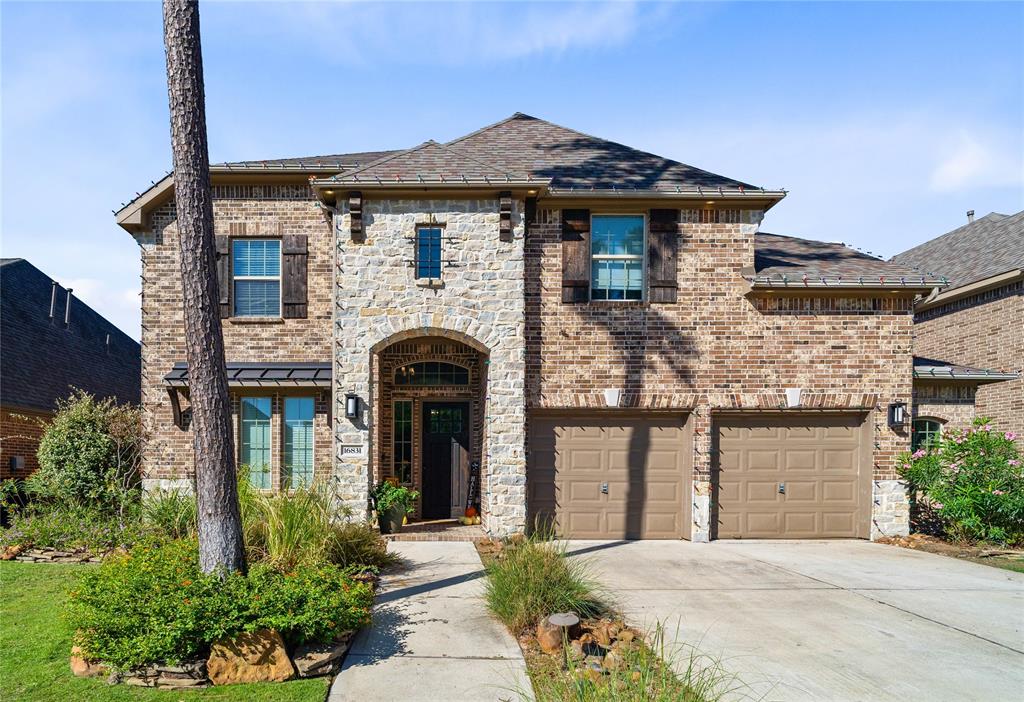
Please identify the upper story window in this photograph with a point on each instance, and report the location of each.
(617, 257)
(431, 373)
(926, 433)
(428, 252)
(256, 269)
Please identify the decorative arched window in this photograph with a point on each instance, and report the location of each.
(926, 433)
(431, 373)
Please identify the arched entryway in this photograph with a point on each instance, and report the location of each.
(430, 403)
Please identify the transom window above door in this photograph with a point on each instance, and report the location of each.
(431, 373)
(256, 272)
(617, 257)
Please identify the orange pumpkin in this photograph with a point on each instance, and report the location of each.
(471, 511)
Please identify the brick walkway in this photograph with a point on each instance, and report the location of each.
(439, 530)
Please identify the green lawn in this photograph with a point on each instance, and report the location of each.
(35, 643)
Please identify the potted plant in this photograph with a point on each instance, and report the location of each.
(392, 502)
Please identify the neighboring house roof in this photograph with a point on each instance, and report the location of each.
(42, 359)
(243, 374)
(981, 249)
(429, 162)
(931, 369)
(791, 262)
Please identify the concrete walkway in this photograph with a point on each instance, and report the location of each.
(432, 638)
(827, 620)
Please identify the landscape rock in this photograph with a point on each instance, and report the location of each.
(11, 552)
(259, 656)
(85, 669)
(313, 660)
(554, 630)
(613, 660)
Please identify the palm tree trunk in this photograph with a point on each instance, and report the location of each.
(221, 548)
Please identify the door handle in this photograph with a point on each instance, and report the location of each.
(782, 488)
(604, 488)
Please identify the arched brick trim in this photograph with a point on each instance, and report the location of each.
(420, 332)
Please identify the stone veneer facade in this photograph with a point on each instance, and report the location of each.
(720, 347)
(985, 330)
(479, 301)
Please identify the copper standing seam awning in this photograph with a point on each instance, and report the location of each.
(249, 375)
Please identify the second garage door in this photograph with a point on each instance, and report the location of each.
(792, 476)
(611, 477)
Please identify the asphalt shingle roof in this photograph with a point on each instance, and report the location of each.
(779, 257)
(429, 161)
(988, 246)
(350, 160)
(42, 360)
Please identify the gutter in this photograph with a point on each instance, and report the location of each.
(982, 377)
(978, 286)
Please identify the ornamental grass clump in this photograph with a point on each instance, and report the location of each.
(973, 481)
(533, 578)
(153, 605)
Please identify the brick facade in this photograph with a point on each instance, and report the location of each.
(20, 432)
(720, 347)
(265, 210)
(984, 331)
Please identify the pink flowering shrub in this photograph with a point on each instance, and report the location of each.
(974, 481)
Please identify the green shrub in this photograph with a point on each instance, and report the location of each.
(72, 528)
(89, 454)
(153, 605)
(171, 513)
(307, 526)
(390, 494)
(974, 482)
(532, 579)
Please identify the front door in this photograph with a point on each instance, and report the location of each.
(445, 425)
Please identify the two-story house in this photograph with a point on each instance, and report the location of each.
(546, 324)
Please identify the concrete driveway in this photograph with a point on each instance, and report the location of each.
(827, 620)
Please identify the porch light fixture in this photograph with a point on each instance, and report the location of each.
(793, 397)
(897, 414)
(351, 406)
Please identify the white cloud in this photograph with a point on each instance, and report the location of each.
(973, 163)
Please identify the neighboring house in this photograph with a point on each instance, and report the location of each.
(545, 323)
(47, 349)
(969, 338)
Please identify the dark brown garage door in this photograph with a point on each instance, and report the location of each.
(792, 476)
(611, 477)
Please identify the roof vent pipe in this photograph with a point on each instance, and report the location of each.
(970, 216)
(67, 309)
(53, 299)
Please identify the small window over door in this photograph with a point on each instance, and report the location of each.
(428, 252)
(254, 452)
(298, 441)
(926, 433)
(431, 373)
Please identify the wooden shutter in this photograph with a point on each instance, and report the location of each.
(223, 244)
(662, 243)
(293, 278)
(575, 255)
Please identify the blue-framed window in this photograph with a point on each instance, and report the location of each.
(298, 441)
(428, 252)
(617, 257)
(254, 451)
(256, 269)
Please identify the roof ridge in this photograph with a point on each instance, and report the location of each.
(387, 158)
(427, 143)
(962, 229)
(492, 126)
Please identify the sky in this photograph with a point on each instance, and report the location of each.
(886, 122)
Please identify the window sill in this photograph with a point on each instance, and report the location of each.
(256, 320)
(429, 283)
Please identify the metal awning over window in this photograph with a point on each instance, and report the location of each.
(263, 375)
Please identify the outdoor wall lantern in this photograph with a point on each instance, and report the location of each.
(351, 406)
(897, 414)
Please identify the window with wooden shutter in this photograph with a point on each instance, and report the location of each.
(575, 255)
(223, 245)
(294, 292)
(662, 244)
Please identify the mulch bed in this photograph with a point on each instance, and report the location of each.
(987, 555)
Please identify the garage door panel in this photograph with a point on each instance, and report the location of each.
(821, 459)
(644, 461)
